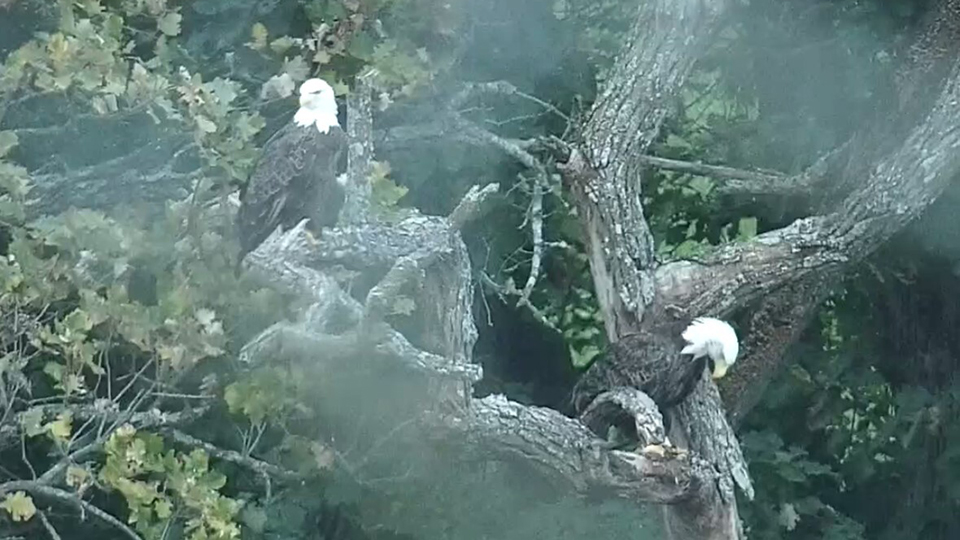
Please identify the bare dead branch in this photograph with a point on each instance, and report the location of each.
(261, 467)
(535, 216)
(472, 205)
(140, 420)
(505, 88)
(603, 174)
(737, 181)
(625, 119)
(51, 530)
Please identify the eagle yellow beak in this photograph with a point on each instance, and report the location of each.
(719, 370)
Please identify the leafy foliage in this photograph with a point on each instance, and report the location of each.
(90, 302)
(71, 275)
(19, 505)
(158, 483)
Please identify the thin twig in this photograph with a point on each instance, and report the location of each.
(503, 88)
(536, 230)
(232, 456)
(48, 526)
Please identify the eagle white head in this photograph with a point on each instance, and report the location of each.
(318, 105)
(714, 338)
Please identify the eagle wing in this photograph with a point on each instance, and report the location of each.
(641, 361)
(295, 178)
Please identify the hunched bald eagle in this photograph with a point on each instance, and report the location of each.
(637, 361)
(298, 175)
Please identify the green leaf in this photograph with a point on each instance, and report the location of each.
(55, 371)
(163, 508)
(8, 141)
(254, 517)
(77, 477)
(675, 141)
(281, 44)
(224, 90)
(280, 86)
(78, 321)
(19, 505)
(61, 428)
(169, 24)
(362, 46)
(31, 421)
(248, 125)
(688, 249)
(296, 68)
(205, 124)
(747, 228)
(701, 185)
(258, 37)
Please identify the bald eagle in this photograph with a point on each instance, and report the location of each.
(642, 361)
(298, 175)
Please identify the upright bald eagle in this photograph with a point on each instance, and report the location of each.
(641, 361)
(298, 173)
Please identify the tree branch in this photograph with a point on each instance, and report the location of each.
(60, 495)
(262, 467)
(737, 181)
(659, 52)
(773, 325)
(356, 207)
(899, 188)
(566, 451)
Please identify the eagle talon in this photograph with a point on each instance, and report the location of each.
(653, 449)
(661, 451)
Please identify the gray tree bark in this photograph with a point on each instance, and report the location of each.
(781, 275)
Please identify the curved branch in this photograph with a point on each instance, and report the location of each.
(899, 188)
(565, 450)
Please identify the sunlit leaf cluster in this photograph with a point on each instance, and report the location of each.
(160, 483)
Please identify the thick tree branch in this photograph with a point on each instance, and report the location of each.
(559, 447)
(899, 188)
(774, 324)
(659, 52)
(565, 450)
(604, 175)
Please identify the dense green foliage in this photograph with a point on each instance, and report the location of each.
(121, 309)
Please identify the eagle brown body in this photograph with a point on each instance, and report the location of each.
(649, 361)
(296, 178)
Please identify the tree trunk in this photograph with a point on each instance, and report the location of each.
(781, 275)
